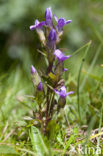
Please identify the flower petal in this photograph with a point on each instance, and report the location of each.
(71, 92)
(57, 92)
(60, 56)
(37, 22)
(63, 88)
(56, 18)
(41, 24)
(69, 21)
(37, 25)
(61, 22)
(65, 69)
(32, 27)
(65, 57)
(63, 93)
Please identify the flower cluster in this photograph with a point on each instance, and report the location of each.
(52, 82)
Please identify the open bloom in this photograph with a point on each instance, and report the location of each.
(61, 22)
(62, 93)
(60, 56)
(40, 86)
(33, 70)
(37, 25)
(52, 38)
(48, 17)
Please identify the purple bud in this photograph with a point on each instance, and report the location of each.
(52, 38)
(48, 17)
(40, 86)
(52, 35)
(33, 70)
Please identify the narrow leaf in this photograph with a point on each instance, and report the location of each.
(38, 143)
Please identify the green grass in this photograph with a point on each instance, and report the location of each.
(16, 110)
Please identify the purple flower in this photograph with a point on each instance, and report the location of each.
(61, 22)
(33, 70)
(37, 25)
(48, 17)
(40, 86)
(62, 93)
(60, 56)
(52, 38)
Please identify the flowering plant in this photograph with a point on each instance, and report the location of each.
(51, 83)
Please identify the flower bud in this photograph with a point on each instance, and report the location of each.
(48, 17)
(35, 76)
(52, 39)
(40, 86)
(33, 70)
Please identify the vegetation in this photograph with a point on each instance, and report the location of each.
(80, 122)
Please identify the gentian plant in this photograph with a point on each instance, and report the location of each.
(50, 90)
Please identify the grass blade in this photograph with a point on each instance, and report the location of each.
(79, 75)
(91, 66)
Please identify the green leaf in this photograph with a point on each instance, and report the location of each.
(38, 143)
(52, 76)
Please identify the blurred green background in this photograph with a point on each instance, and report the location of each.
(18, 47)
